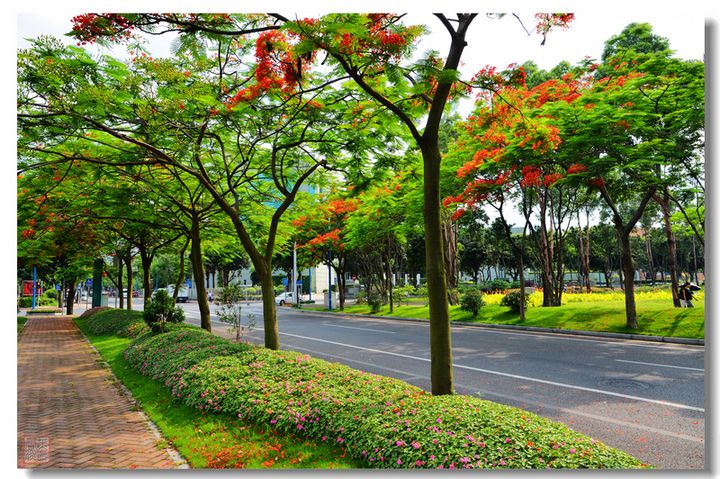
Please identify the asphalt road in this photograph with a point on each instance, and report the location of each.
(641, 397)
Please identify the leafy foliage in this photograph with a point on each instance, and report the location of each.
(472, 301)
(512, 301)
(162, 310)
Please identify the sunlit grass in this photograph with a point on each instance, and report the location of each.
(580, 311)
(208, 440)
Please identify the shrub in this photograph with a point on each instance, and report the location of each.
(512, 301)
(472, 301)
(403, 293)
(361, 297)
(51, 293)
(118, 322)
(375, 302)
(383, 422)
(162, 310)
(26, 301)
(92, 311)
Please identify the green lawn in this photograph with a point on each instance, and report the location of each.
(214, 440)
(656, 317)
(21, 320)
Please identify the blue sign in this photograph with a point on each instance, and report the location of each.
(188, 282)
(299, 283)
(57, 287)
(285, 281)
(88, 282)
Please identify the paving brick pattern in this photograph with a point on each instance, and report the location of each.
(70, 413)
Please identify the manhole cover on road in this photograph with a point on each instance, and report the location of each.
(624, 384)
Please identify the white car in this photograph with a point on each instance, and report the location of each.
(286, 297)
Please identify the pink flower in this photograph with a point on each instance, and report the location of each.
(438, 420)
(572, 451)
(502, 462)
(432, 457)
(507, 439)
(399, 443)
(399, 461)
(415, 444)
(300, 426)
(418, 463)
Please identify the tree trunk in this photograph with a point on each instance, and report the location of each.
(441, 373)
(199, 275)
(181, 275)
(586, 255)
(121, 298)
(628, 270)
(71, 297)
(521, 269)
(648, 252)
(128, 266)
(451, 259)
(340, 273)
(61, 294)
(272, 334)
(146, 261)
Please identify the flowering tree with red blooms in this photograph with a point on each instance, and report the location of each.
(374, 51)
(54, 233)
(616, 135)
(376, 232)
(511, 138)
(320, 235)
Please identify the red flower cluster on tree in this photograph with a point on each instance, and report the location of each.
(277, 67)
(548, 21)
(576, 168)
(551, 179)
(88, 27)
(531, 176)
(597, 182)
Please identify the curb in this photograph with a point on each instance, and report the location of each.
(535, 329)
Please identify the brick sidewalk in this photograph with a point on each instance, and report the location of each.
(70, 414)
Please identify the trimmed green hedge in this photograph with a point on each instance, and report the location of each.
(92, 311)
(118, 322)
(384, 422)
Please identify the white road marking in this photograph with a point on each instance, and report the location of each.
(660, 365)
(361, 329)
(514, 376)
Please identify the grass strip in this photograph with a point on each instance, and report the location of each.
(208, 440)
(655, 317)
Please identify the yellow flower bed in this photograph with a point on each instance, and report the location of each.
(536, 298)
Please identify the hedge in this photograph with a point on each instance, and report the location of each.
(118, 322)
(384, 422)
(92, 311)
